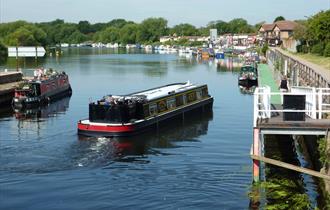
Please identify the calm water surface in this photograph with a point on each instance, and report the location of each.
(202, 163)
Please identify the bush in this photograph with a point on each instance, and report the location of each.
(264, 49)
(302, 48)
(3, 53)
(326, 52)
(318, 49)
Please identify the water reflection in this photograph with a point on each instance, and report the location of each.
(247, 89)
(137, 148)
(229, 64)
(50, 110)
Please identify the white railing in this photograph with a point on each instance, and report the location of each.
(310, 93)
(317, 102)
(323, 101)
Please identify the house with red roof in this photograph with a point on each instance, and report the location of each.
(280, 33)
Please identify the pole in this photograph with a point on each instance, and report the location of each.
(256, 152)
(16, 57)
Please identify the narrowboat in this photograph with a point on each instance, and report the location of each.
(125, 115)
(248, 76)
(47, 85)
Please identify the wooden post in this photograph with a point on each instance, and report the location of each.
(256, 151)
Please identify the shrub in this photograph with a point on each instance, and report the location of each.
(3, 52)
(318, 49)
(326, 52)
(264, 49)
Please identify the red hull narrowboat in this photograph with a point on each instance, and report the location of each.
(136, 112)
(44, 88)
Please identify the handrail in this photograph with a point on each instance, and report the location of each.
(316, 102)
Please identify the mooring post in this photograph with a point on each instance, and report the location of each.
(256, 151)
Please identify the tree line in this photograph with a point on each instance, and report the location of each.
(313, 32)
(314, 35)
(22, 33)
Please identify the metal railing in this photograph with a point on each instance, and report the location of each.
(316, 104)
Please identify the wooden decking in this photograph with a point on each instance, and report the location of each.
(277, 122)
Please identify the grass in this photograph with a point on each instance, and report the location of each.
(316, 59)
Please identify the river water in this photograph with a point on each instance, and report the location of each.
(201, 163)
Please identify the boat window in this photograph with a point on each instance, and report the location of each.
(205, 92)
(199, 94)
(153, 109)
(162, 106)
(179, 100)
(191, 96)
(171, 103)
(146, 110)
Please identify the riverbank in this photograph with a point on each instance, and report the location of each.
(8, 82)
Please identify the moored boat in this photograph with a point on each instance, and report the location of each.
(46, 86)
(130, 114)
(248, 76)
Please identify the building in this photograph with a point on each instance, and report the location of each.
(213, 34)
(280, 33)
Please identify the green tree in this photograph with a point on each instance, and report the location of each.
(27, 35)
(221, 26)
(258, 25)
(3, 52)
(152, 29)
(128, 33)
(85, 27)
(279, 18)
(184, 29)
(77, 37)
(239, 25)
(109, 35)
(118, 23)
(318, 27)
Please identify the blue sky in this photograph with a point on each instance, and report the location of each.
(196, 12)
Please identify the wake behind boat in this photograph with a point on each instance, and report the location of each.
(130, 114)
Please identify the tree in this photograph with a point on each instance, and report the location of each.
(221, 26)
(77, 37)
(318, 27)
(239, 25)
(109, 35)
(279, 18)
(128, 33)
(118, 23)
(184, 29)
(3, 52)
(151, 29)
(258, 25)
(27, 35)
(85, 27)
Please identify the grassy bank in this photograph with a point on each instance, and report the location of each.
(316, 59)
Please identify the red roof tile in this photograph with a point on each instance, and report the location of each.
(268, 27)
(286, 25)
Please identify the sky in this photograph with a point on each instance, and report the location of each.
(195, 12)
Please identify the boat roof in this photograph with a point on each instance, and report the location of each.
(166, 90)
(159, 92)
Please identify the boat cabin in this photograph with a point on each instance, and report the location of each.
(28, 89)
(146, 104)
